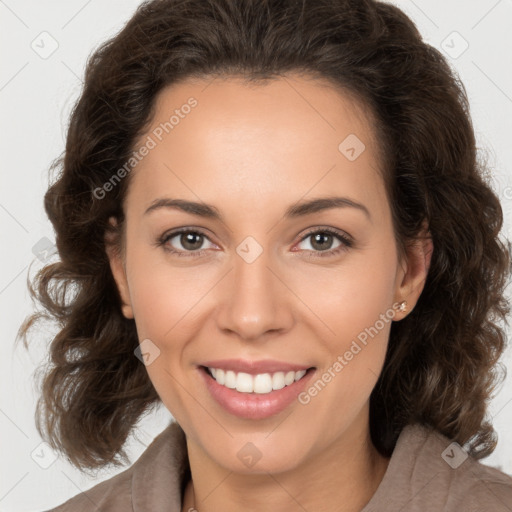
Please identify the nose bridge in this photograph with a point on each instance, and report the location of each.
(255, 300)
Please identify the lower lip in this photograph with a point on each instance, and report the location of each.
(254, 406)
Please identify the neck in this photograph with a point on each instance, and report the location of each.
(341, 478)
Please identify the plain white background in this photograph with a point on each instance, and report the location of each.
(45, 45)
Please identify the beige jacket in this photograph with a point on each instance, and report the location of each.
(426, 473)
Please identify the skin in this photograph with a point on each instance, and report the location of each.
(252, 151)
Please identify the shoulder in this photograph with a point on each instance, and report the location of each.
(444, 474)
(430, 473)
(147, 479)
(474, 485)
(113, 494)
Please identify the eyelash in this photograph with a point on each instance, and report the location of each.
(346, 242)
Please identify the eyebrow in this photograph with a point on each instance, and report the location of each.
(295, 210)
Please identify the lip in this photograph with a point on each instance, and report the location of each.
(255, 367)
(255, 406)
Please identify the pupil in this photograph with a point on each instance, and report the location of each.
(320, 237)
(187, 240)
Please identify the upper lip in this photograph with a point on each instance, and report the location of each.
(255, 367)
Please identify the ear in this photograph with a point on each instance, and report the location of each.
(118, 268)
(414, 270)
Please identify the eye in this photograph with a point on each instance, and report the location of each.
(322, 240)
(189, 242)
(184, 242)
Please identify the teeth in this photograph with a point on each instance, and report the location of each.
(261, 383)
(300, 374)
(230, 379)
(278, 380)
(289, 378)
(220, 376)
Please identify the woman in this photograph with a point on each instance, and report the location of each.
(272, 220)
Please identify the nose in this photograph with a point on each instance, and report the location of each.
(255, 300)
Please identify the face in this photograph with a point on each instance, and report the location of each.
(291, 305)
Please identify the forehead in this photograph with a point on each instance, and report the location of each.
(304, 103)
(222, 138)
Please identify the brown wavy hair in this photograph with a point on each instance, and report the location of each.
(442, 360)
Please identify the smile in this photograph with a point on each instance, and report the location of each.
(261, 383)
(256, 395)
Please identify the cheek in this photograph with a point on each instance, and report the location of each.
(353, 307)
(156, 303)
(164, 299)
(163, 294)
(350, 297)
(358, 311)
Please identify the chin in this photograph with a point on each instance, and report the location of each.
(260, 453)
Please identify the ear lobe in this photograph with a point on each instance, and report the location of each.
(417, 265)
(117, 266)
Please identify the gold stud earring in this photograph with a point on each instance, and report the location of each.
(402, 306)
